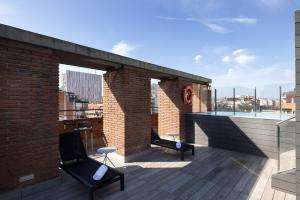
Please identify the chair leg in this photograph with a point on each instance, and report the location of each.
(105, 158)
(193, 151)
(110, 161)
(91, 194)
(122, 184)
(182, 155)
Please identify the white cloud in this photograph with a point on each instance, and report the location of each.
(240, 57)
(243, 59)
(123, 48)
(226, 59)
(238, 51)
(213, 23)
(241, 20)
(245, 20)
(198, 59)
(216, 28)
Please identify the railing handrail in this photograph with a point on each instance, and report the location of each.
(83, 110)
(286, 120)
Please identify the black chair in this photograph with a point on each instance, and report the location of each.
(76, 163)
(156, 140)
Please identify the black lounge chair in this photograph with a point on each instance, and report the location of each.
(76, 163)
(156, 140)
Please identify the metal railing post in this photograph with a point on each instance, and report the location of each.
(280, 105)
(278, 148)
(216, 100)
(234, 101)
(255, 99)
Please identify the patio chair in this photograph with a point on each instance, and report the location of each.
(156, 140)
(76, 163)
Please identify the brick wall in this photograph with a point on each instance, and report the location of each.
(171, 108)
(205, 98)
(99, 139)
(154, 121)
(196, 98)
(29, 114)
(126, 107)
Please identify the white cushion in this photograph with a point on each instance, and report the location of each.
(100, 172)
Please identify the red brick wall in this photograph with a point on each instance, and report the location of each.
(171, 108)
(97, 130)
(126, 106)
(196, 97)
(154, 121)
(205, 98)
(29, 114)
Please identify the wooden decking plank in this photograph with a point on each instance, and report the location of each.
(279, 195)
(211, 174)
(268, 192)
(227, 184)
(191, 189)
(290, 197)
(245, 178)
(164, 195)
(202, 191)
(262, 182)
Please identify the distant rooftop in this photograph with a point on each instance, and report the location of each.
(79, 55)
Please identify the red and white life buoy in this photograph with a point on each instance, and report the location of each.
(188, 94)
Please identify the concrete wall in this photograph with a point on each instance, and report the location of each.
(126, 106)
(29, 114)
(297, 53)
(249, 135)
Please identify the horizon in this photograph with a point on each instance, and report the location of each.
(233, 44)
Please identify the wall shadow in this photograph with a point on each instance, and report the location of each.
(247, 135)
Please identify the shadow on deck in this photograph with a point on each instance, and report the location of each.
(210, 174)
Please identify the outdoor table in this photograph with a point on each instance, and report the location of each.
(106, 151)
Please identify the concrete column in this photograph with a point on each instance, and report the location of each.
(171, 108)
(126, 106)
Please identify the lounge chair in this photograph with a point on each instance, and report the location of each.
(76, 163)
(156, 140)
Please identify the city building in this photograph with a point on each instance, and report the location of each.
(289, 103)
(84, 85)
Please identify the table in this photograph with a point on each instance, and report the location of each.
(106, 151)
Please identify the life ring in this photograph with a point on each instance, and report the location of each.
(188, 94)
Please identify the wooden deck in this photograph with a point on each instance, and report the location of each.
(211, 174)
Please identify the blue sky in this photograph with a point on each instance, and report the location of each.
(241, 43)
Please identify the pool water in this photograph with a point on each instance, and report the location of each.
(262, 115)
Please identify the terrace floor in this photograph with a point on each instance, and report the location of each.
(211, 174)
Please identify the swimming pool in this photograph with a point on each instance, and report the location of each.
(262, 115)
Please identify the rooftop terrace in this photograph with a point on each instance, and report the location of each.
(210, 174)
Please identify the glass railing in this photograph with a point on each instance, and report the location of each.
(286, 131)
